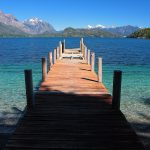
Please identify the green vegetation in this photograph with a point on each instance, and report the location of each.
(71, 32)
(143, 33)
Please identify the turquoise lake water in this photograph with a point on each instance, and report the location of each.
(132, 56)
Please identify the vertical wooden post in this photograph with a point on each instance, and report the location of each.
(88, 57)
(82, 46)
(99, 69)
(50, 60)
(64, 45)
(57, 52)
(44, 69)
(54, 56)
(60, 49)
(81, 40)
(92, 62)
(85, 53)
(29, 89)
(116, 89)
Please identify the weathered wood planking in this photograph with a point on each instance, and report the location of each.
(73, 111)
(67, 121)
(72, 76)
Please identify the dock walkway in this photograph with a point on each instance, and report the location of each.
(72, 76)
(72, 110)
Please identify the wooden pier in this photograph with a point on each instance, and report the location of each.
(73, 109)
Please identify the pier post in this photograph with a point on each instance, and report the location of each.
(85, 53)
(57, 52)
(50, 60)
(83, 50)
(88, 57)
(54, 56)
(116, 89)
(64, 45)
(29, 89)
(82, 46)
(92, 62)
(99, 69)
(44, 69)
(60, 49)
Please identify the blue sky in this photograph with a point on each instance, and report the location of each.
(80, 13)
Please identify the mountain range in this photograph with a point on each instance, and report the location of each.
(31, 26)
(11, 26)
(120, 31)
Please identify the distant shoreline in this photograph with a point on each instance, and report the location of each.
(49, 36)
(3, 37)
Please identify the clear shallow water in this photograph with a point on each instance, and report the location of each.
(132, 56)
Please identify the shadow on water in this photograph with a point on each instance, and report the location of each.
(17, 110)
(143, 127)
(8, 123)
(145, 101)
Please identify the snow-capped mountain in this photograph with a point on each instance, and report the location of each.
(30, 26)
(97, 26)
(38, 26)
(10, 20)
(11, 25)
(122, 30)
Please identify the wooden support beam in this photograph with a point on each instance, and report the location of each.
(83, 50)
(116, 89)
(57, 52)
(50, 60)
(44, 69)
(82, 40)
(99, 69)
(64, 44)
(29, 89)
(54, 56)
(82, 46)
(85, 53)
(93, 62)
(88, 57)
(60, 49)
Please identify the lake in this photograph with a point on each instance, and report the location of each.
(132, 56)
